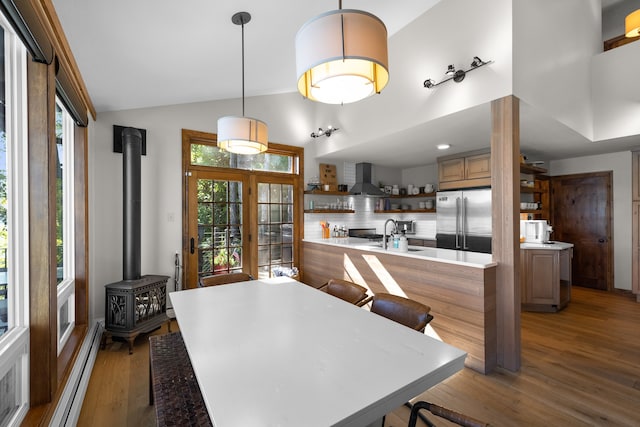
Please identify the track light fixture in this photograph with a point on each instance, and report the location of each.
(456, 75)
(322, 132)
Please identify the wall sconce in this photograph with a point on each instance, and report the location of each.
(456, 75)
(322, 132)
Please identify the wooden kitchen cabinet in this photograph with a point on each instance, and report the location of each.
(635, 228)
(430, 243)
(635, 250)
(469, 170)
(545, 278)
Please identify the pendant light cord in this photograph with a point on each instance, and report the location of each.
(242, 67)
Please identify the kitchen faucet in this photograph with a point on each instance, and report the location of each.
(384, 232)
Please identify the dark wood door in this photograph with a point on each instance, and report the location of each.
(582, 216)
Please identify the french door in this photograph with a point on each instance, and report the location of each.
(217, 207)
(236, 222)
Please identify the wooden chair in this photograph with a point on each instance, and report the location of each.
(223, 279)
(347, 291)
(408, 312)
(447, 414)
(416, 315)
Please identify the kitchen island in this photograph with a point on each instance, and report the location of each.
(460, 287)
(545, 275)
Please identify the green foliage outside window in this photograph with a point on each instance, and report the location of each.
(210, 155)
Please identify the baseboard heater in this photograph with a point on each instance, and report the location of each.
(70, 404)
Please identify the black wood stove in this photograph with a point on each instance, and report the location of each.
(137, 304)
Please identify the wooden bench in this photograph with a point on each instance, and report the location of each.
(173, 387)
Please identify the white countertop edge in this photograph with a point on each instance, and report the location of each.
(554, 246)
(449, 256)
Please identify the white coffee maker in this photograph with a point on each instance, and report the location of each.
(535, 231)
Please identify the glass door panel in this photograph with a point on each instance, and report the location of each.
(275, 227)
(216, 212)
(219, 226)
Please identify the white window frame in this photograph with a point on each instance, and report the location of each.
(67, 288)
(14, 344)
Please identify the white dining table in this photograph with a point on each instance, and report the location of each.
(277, 352)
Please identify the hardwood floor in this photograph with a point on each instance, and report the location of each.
(580, 367)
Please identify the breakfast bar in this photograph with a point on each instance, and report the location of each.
(460, 287)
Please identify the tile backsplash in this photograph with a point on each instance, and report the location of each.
(364, 216)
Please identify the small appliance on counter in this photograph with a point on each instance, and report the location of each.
(535, 231)
(409, 227)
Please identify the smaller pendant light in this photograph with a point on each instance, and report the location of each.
(341, 56)
(632, 24)
(242, 135)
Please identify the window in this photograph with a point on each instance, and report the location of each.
(211, 155)
(14, 337)
(65, 252)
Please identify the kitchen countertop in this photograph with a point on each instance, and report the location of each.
(471, 259)
(555, 246)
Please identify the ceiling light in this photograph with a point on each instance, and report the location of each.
(632, 24)
(443, 146)
(341, 56)
(321, 132)
(456, 75)
(242, 135)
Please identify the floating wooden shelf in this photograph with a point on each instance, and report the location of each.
(408, 196)
(324, 211)
(532, 190)
(535, 170)
(328, 193)
(532, 211)
(406, 211)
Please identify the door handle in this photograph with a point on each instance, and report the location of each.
(191, 246)
(601, 240)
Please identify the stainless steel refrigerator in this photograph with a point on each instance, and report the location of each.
(464, 220)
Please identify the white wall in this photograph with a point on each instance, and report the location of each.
(287, 116)
(553, 44)
(616, 92)
(620, 164)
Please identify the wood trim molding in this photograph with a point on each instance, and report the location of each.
(51, 22)
(505, 179)
(42, 239)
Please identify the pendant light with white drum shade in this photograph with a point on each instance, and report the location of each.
(341, 56)
(632, 24)
(242, 135)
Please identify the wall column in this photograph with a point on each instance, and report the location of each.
(505, 182)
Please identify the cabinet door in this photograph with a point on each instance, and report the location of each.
(543, 277)
(636, 176)
(635, 232)
(451, 170)
(478, 166)
(525, 288)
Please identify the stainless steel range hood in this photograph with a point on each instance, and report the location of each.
(363, 183)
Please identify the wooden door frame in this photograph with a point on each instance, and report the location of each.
(609, 215)
(297, 176)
